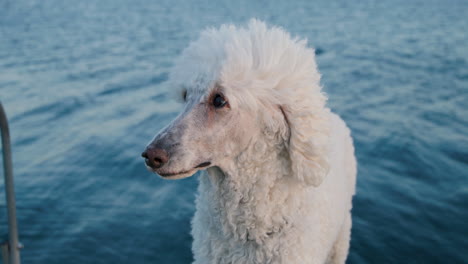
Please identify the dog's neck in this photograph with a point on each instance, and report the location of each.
(248, 196)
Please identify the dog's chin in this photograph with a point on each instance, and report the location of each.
(176, 175)
(171, 174)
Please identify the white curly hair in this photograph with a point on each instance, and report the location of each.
(279, 166)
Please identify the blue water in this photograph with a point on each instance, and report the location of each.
(83, 86)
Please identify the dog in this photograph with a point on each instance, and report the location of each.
(279, 169)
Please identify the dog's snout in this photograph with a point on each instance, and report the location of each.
(155, 157)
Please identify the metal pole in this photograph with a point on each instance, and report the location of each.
(14, 245)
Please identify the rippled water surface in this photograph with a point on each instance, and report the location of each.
(83, 86)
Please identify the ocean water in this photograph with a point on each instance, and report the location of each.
(83, 85)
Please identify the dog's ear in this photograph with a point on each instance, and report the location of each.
(308, 142)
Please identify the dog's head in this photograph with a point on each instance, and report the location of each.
(237, 85)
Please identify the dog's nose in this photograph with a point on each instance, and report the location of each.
(155, 157)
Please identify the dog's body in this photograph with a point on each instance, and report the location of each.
(257, 214)
(280, 166)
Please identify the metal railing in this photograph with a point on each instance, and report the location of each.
(11, 248)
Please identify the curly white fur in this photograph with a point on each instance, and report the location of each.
(283, 170)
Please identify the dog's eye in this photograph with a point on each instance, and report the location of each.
(218, 101)
(184, 95)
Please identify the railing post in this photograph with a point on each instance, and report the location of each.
(13, 243)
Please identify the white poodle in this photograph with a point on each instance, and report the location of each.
(280, 166)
